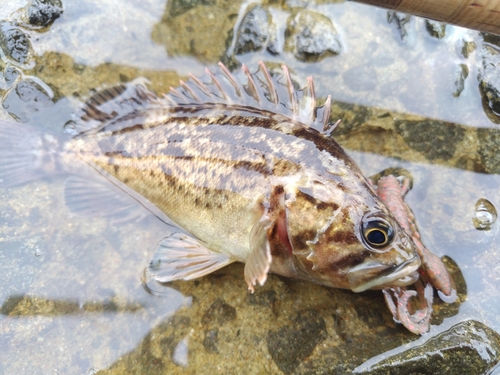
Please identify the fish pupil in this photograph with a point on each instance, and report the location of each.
(377, 233)
(376, 237)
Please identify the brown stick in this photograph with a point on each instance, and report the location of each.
(482, 15)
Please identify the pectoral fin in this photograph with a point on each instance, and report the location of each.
(180, 256)
(259, 261)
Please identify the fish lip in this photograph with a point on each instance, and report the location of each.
(405, 273)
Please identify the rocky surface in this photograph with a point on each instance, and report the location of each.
(43, 12)
(311, 36)
(435, 29)
(254, 31)
(15, 44)
(490, 81)
(402, 23)
(470, 346)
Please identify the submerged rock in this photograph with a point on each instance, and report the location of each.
(467, 348)
(435, 28)
(401, 21)
(26, 98)
(219, 313)
(43, 12)
(179, 7)
(489, 82)
(435, 139)
(290, 345)
(468, 47)
(312, 36)
(15, 44)
(461, 74)
(253, 32)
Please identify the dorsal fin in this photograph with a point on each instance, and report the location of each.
(113, 103)
(262, 90)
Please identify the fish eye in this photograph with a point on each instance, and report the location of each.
(378, 233)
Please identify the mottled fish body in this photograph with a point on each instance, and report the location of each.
(245, 168)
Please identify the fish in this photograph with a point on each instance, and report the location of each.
(242, 166)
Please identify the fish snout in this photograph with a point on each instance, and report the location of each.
(377, 275)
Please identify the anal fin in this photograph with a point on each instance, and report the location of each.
(181, 257)
(259, 261)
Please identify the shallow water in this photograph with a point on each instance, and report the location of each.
(72, 298)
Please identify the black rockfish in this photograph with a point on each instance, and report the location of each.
(245, 168)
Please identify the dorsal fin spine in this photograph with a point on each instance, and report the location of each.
(230, 78)
(169, 99)
(200, 85)
(189, 90)
(217, 84)
(177, 95)
(309, 92)
(270, 84)
(291, 91)
(251, 84)
(331, 128)
(272, 94)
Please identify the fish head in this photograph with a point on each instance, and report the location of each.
(347, 238)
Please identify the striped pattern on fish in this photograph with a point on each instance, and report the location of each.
(245, 168)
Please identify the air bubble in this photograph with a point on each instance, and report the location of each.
(70, 128)
(485, 216)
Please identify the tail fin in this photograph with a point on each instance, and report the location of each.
(24, 153)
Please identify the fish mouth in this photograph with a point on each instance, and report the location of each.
(375, 275)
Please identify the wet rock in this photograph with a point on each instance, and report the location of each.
(460, 76)
(491, 38)
(290, 345)
(488, 142)
(267, 298)
(490, 80)
(15, 43)
(311, 36)
(179, 7)
(435, 28)
(401, 22)
(434, 139)
(11, 74)
(9, 77)
(219, 312)
(253, 32)
(43, 12)
(210, 340)
(467, 48)
(201, 29)
(467, 348)
(27, 98)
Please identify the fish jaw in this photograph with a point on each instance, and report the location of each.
(386, 276)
